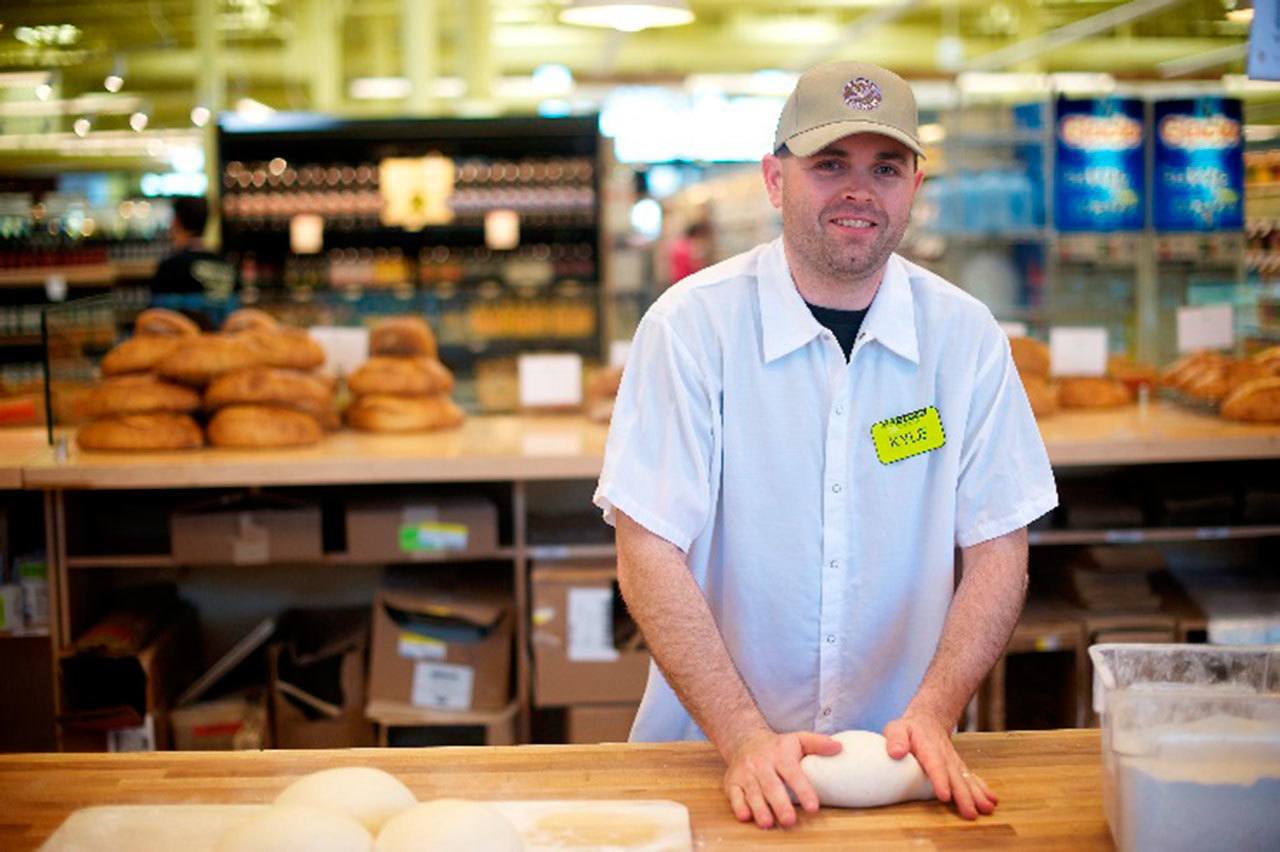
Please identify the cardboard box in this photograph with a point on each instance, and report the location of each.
(317, 679)
(236, 722)
(586, 649)
(408, 530)
(599, 723)
(248, 531)
(441, 640)
(126, 698)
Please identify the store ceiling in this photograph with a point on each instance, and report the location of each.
(303, 54)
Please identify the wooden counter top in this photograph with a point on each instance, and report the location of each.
(18, 446)
(1049, 783)
(571, 447)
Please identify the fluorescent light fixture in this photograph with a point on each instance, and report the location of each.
(931, 134)
(379, 88)
(629, 17)
(138, 121)
(81, 126)
(200, 115)
(253, 111)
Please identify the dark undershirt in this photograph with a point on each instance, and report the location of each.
(843, 324)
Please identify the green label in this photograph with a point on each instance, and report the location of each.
(908, 435)
(429, 536)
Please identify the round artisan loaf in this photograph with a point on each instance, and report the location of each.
(384, 374)
(291, 348)
(152, 431)
(1257, 401)
(134, 394)
(197, 360)
(1030, 356)
(249, 319)
(402, 336)
(164, 321)
(1042, 394)
(386, 413)
(263, 426)
(1092, 392)
(270, 386)
(139, 353)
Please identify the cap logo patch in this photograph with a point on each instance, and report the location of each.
(861, 93)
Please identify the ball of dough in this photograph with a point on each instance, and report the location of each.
(863, 775)
(449, 824)
(369, 796)
(296, 829)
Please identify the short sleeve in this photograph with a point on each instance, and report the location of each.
(658, 457)
(1005, 480)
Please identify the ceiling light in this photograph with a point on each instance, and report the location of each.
(138, 121)
(200, 115)
(627, 15)
(379, 88)
(114, 81)
(1241, 12)
(81, 126)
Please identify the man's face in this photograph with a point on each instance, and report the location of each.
(845, 208)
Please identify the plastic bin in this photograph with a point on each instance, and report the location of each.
(1190, 745)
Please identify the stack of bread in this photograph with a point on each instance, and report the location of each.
(133, 408)
(1243, 388)
(402, 387)
(1031, 357)
(261, 387)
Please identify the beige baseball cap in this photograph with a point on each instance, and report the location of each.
(838, 99)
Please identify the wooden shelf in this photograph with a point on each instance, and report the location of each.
(1151, 535)
(558, 552)
(32, 633)
(396, 714)
(164, 560)
(79, 275)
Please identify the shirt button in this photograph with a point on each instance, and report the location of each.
(835, 489)
(826, 711)
(839, 409)
(834, 563)
(831, 638)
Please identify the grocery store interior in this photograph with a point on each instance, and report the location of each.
(528, 176)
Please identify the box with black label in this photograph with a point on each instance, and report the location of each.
(413, 529)
(246, 531)
(586, 648)
(441, 641)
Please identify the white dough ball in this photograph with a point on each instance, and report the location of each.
(444, 825)
(296, 829)
(863, 775)
(369, 796)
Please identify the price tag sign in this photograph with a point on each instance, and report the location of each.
(1205, 327)
(345, 349)
(1078, 351)
(551, 380)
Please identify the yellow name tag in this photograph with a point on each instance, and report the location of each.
(908, 435)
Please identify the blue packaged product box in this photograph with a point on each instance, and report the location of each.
(1100, 165)
(1199, 165)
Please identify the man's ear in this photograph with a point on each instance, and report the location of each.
(771, 169)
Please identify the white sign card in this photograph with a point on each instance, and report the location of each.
(306, 233)
(1205, 327)
(1078, 351)
(590, 625)
(551, 380)
(1014, 329)
(345, 349)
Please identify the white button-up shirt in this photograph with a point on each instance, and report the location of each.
(742, 436)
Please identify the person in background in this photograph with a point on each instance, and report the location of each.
(805, 438)
(689, 252)
(192, 278)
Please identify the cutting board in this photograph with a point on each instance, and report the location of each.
(546, 826)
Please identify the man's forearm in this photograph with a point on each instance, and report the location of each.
(981, 619)
(682, 634)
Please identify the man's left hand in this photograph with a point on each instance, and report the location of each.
(929, 739)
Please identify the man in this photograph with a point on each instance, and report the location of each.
(804, 435)
(192, 269)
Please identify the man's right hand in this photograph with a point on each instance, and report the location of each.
(761, 768)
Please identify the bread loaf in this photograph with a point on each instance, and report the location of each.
(270, 386)
(1042, 395)
(407, 336)
(291, 348)
(262, 426)
(1031, 357)
(197, 360)
(399, 376)
(153, 431)
(1087, 392)
(385, 413)
(135, 394)
(139, 353)
(162, 321)
(1257, 401)
(249, 319)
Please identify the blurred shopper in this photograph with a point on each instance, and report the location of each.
(689, 252)
(804, 435)
(192, 279)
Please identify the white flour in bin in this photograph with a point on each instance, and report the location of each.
(1208, 787)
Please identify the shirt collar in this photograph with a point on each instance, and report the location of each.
(787, 324)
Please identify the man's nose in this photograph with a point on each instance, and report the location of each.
(858, 188)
